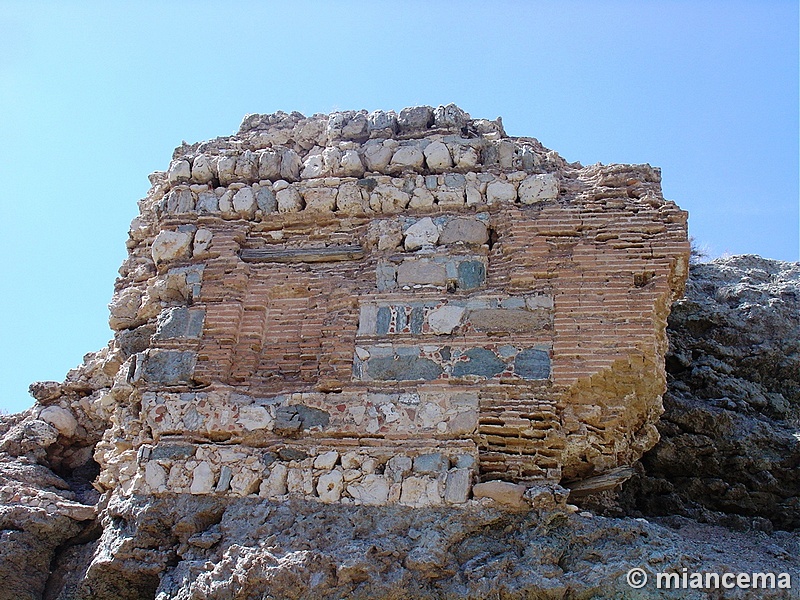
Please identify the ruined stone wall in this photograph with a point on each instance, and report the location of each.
(384, 308)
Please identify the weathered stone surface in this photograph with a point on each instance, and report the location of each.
(532, 363)
(457, 487)
(502, 492)
(422, 233)
(500, 191)
(180, 322)
(167, 367)
(402, 368)
(289, 200)
(202, 479)
(437, 157)
(422, 272)
(471, 274)
(60, 418)
(538, 188)
(330, 486)
(445, 319)
(480, 362)
(169, 246)
(465, 230)
(373, 490)
(507, 320)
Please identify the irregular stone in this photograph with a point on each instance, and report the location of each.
(269, 165)
(422, 233)
(202, 479)
(437, 157)
(503, 492)
(398, 467)
(274, 485)
(480, 362)
(457, 486)
(201, 242)
(180, 201)
(207, 203)
(167, 367)
(538, 188)
(450, 116)
(402, 368)
(388, 199)
(382, 123)
(180, 322)
(413, 272)
(226, 170)
(532, 363)
(431, 464)
(349, 199)
(373, 490)
(60, 418)
(253, 417)
(420, 491)
(417, 118)
(179, 172)
(300, 481)
(445, 319)
(471, 274)
(169, 246)
(313, 166)
(500, 191)
(289, 200)
(377, 157)
(330, 486)
(351, 165)
(244, 203)
(465, 230)
(407, 157)
(225, 477)
(290, 165)
(245, 482)
(155, 476)
(326, 460)
(202, 169)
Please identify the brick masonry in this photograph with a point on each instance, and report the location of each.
(389, 294)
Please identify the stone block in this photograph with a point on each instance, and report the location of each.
(407, 157)
(172, 452)
(180, 323)
(480, 362)
(466, 230)
(445, 319)
(500, 191)
(168, 367)
(202, 479)
(431, 464)
(457, 486)
(422, 233)
(420, 491)
(471, 274)
(330, 486)
(169, 246)
(417, 118)
(538, 188)
(402, 368)
(503, 492)
(265, 200)
(532, 363)
(373, 490)
(274, 485)
(61, 419)
(437, 157)
(225, 476)
(327, 460)
(423, 272)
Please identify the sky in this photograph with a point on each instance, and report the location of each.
(95, 96)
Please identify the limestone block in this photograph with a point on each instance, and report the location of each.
(179, 172)
(124, 307)
(246, 167)
(169, 246)
(253, 417)
(289, 200)
(450, 116)
(507, 320)
(207, 202)
(269, 164)
(244, 203)
(445, 319)
(398, 467)
(502, 492)
(456, 488)
(373, 490)
(179, 201)
(300, 481)
(180, 322)
(320, 198)
(382, 122)
(377, 156)
(388, 199)
(422, 271)
(61, 419)
(202, 479)
(275, 484)
(330, 486)
(265, 199)
(351, 460)
(422, 198)
(421, 491)
(327, 460)
(437, 157)
(422, 233)
(290, 165)
(351, 165)
(407, 157)
(201, 242)
(538, 188)
(226, 169)
(349, 199)
(500, 191)
(465, 157)
(155, 476)
(466, 230)
(417, 118)
(226, 203)
(202, 169)
(313, 166)
(224, 482)
(245, 482)
(431, 464)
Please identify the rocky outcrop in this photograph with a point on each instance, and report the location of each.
(730, 434)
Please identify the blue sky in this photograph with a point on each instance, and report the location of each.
(94, 96)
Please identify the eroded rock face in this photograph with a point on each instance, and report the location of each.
(730, 436)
